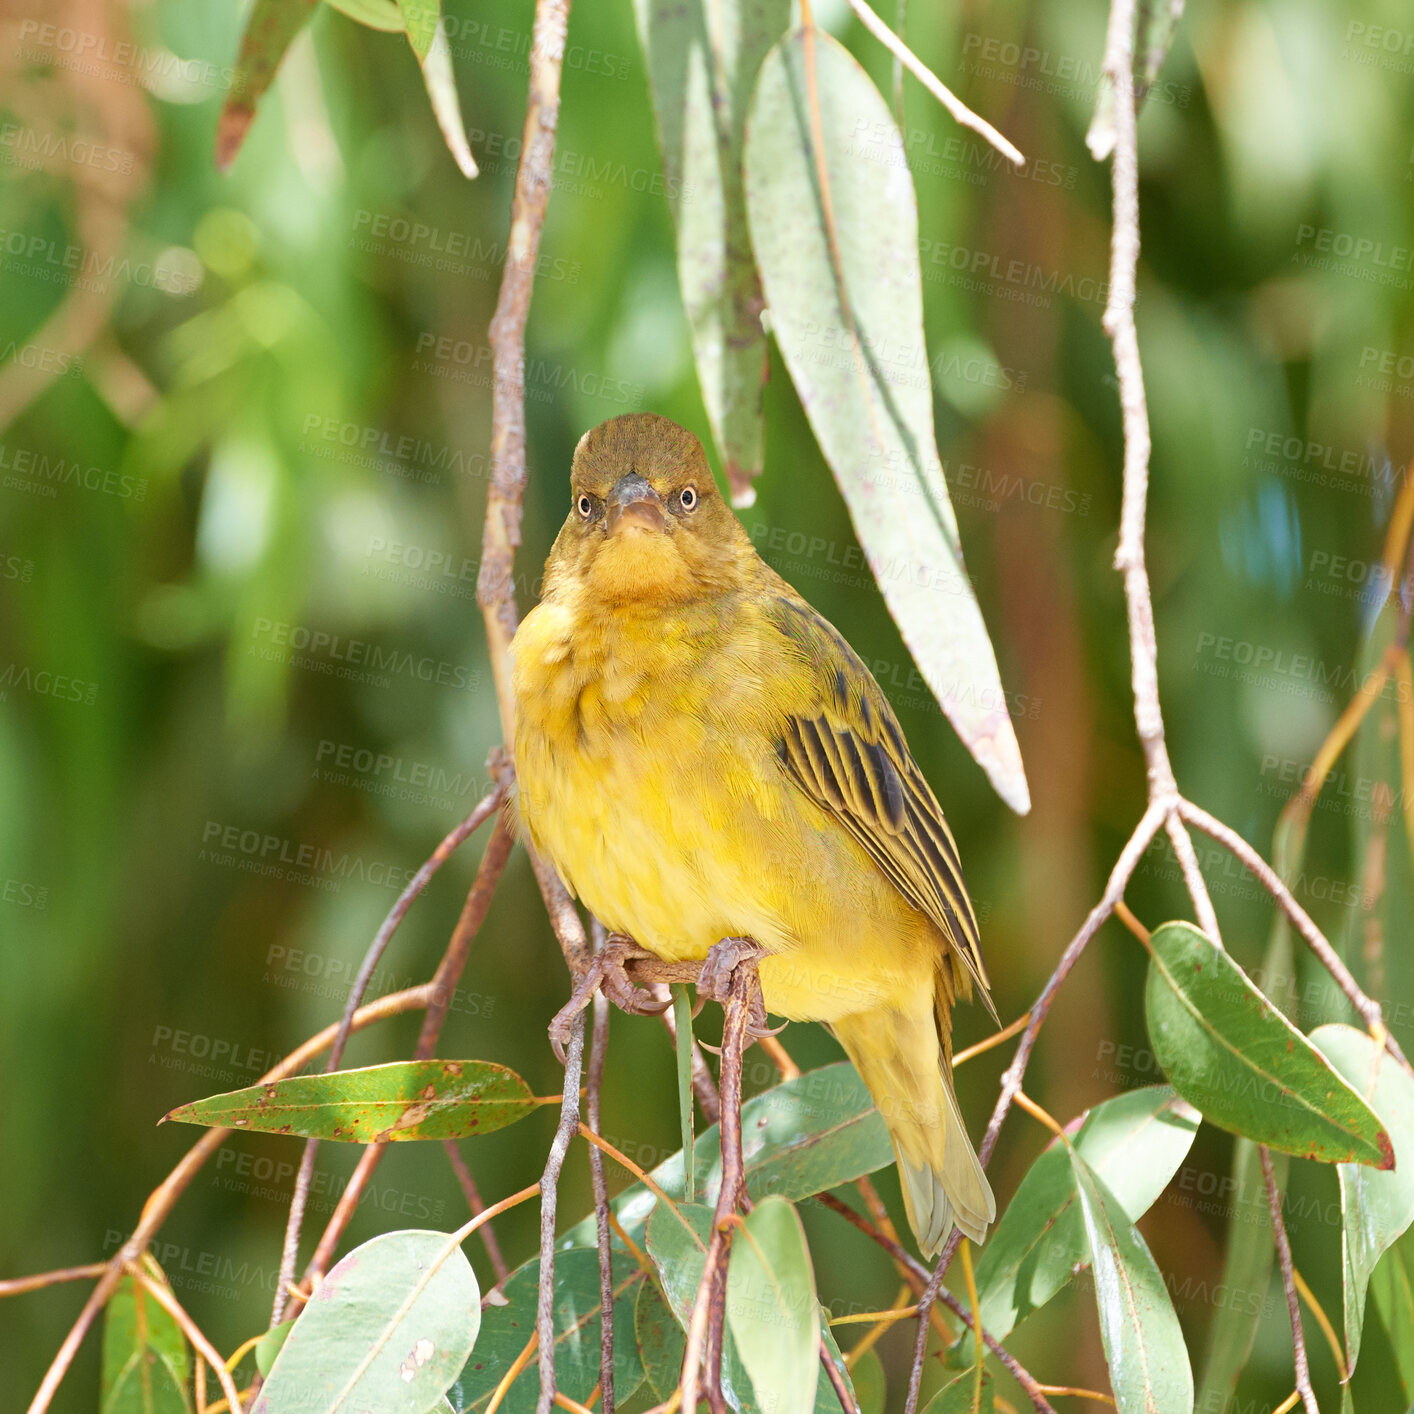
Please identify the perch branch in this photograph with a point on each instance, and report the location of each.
(1293, 1303)
(598, 1047)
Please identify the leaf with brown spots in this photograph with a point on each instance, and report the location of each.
(406, 1100)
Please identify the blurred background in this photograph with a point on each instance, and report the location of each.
(244, 423)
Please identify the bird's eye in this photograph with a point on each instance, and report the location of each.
(585, 506)
(687, 497)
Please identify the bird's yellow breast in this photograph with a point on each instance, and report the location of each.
(647, 773)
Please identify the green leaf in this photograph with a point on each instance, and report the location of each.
(1392, 1286)
(679, 1251)
(375, 14)
(772, 1308)
(506, 1329)
(270, 1346)
(703, 57)
(1135, 1143)
(660, 1338)
(269, 32)
(1155, 24)
(146, 1364)
(957, 1396)
(682, 1020)
(428, 37)
(1149, 1370)
(803, 1137)
(870, 1389)
(844, 292)
(404, 1100)
(1231, 1053)
(1376, 1208)
(387, 1329)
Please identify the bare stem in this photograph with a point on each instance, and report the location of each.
(1293, 1303)
(598, 1048)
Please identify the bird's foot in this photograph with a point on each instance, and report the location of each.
(715, 981)
(606, 973)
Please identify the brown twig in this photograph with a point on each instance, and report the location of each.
(549, 1195)
(203, 1347)
(419, 881)
(440, 989)
(1293, 1303)
(702, 1359)
(598, 1047)
(477, 1204)
(164, 1197)
(1367, 1007)
(20, 1285)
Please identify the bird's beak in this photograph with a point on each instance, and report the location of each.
(634, 505)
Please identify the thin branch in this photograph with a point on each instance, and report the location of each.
(20, 1285)
(192, 1331)
(439, 856)
(1193, 877)
(1017, 1370)
(960, 111)
(164, 1197)
(475, 1202)
(549, 1194)
(599, 1045)
(1293, 1303)
(1367, 1007)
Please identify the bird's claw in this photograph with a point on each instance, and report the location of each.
(715, 981)
(606, 973)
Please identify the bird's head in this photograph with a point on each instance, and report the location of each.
(646, 522)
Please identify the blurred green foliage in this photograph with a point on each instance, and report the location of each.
(243, 688)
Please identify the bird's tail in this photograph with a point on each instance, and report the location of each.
(902, 1058)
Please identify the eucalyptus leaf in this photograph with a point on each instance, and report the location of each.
(959, 1396)
(375, 14)
(1149, 1369)
(1392, 1286)
(1231, 1053)
(1135, 1142)
(703, 57)
(378, 1104)
(772, 1308)
(1155, 24)
(387, 1329)
(269, 32)
(836, 238)
(146, 1362)
(506, 1329)
(427, 34)
(270, 1345)
(1376, 1208)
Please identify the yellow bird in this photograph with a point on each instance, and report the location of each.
(702, 756)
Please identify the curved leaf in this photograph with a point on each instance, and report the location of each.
(1392, 1286)
(269, 32)
(1375, 1207)
(703, 57)
(378, 1104)
(146, 1363)
(660, 1339)
(1135, 1143)
(387, 1329)
(837, 245)
(1149, 1370)
(772, 1308)
(958, 1396)
(1231, 1053)
(426, 33)
(506, 1329)
(375, 14)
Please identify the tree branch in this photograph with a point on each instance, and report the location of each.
(1293, 1304)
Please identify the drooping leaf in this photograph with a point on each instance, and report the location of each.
(1231, 1053)
(1375, 1208)
(428, 37)
(506, 1329)
(269, 32)
(772, 1308)
(959, 1396)
(1135, 1142)
(838, 256)
(1392, 1286)
(1155, 24)
(375, 14)
(682, 1020)
(387, 1329)
(799, 1138)
(1148, 1361)
(404, 1100)
(660, 1338)
(703, 57)
(146, 1362)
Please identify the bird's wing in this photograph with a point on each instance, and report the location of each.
(840, 742)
